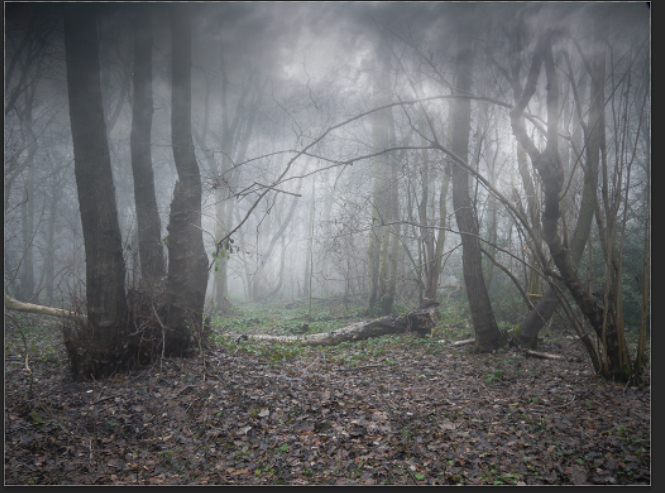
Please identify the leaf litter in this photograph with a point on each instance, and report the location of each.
(414, 413)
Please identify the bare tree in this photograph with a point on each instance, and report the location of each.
(487, 332)
(151, 251)
(105, 267)
(188, 264)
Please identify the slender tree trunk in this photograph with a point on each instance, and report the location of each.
(593, 135)
(392, 244)
(49, 260)
(187, 272)
(392, 216)
(492, 204)
(105, 267)
(233, 143)
(487, 332)
(383, 210)
(27, 277)
(441, 238)
(151, 253)
(426, 244)
(27, 286)
(310, 233)
(548, 165)
(640, 359)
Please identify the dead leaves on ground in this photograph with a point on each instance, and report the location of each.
(418, 414)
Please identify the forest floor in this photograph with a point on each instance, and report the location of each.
(394, 410)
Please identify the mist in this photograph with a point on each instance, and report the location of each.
(270, 83)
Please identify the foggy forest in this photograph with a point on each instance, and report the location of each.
(268, 243)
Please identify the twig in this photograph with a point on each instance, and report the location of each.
(176, 365)
(163, 336)
(412, 476)
(385, 466)
(102, 400)
(577, 339)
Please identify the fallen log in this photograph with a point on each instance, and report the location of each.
(420, 320)
(13, 304)
(537, 354)
(463, 342)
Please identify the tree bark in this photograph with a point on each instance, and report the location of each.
(151, 253)
(487, 332)
(188, 263)
(105, 267)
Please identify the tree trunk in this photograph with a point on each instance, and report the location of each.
(492, 206)
(49, 260)
(487, 332)
(105, 267)
(420, 321)
(186, 279)
(382, 210)
(307, 279)
(392, 238)
(432, 242)
(151, 253)
(27, 286)
(260, 277)
(548, 165)
(593, 135)
(640, 358)
(27, 277)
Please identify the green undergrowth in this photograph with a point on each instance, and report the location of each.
(262, 318)
(41, 335)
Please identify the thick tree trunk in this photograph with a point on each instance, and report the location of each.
(186, 280)
(151, 253)
(105, 267)
(487, 332)
(420, 321)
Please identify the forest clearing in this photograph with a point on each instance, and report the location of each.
(393, 410)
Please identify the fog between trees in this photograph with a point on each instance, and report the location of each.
(384, 152)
